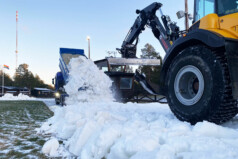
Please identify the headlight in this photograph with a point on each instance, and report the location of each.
(57, 94)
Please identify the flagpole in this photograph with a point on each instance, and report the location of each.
(2, 81)
(16, 37)
(186, 15)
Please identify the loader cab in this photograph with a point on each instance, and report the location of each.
(225, 7)
(220, 7)
(203, 8)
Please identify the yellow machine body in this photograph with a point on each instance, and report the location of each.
(227, 26)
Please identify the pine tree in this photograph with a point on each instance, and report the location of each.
(25, 78)
(7, 79)
(152, 72)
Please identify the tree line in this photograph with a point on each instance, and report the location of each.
(23, 78)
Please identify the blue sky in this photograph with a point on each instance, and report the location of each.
(47, 25)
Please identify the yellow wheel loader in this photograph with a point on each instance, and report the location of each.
(199, 75)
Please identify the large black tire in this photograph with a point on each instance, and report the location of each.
(215, 102)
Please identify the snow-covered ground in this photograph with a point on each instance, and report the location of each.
(92, 126)
(18, 120)
(22, 97)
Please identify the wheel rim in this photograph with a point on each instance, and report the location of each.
(189, 85)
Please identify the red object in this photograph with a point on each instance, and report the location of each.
(6, 66)
(164, 43)
(16, 15)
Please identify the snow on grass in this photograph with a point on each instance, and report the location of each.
(22, 97)
(93, 127)
(9, 97)
(18, 120)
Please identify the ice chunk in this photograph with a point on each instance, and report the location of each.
(50, 147)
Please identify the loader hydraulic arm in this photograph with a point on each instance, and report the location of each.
(166, 33)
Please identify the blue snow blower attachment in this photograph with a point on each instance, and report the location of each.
(62, 77)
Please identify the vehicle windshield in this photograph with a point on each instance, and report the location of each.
(203, 8)
(227, 7)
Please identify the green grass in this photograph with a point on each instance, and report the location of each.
(18, 120)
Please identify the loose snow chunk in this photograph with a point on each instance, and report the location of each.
(81, 136)
(213, 130)
(45, 127)
(51, 147)
(98, 146)
(131, 145)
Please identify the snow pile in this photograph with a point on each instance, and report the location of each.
(87, 83)
(137, 131)
(9, 96)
